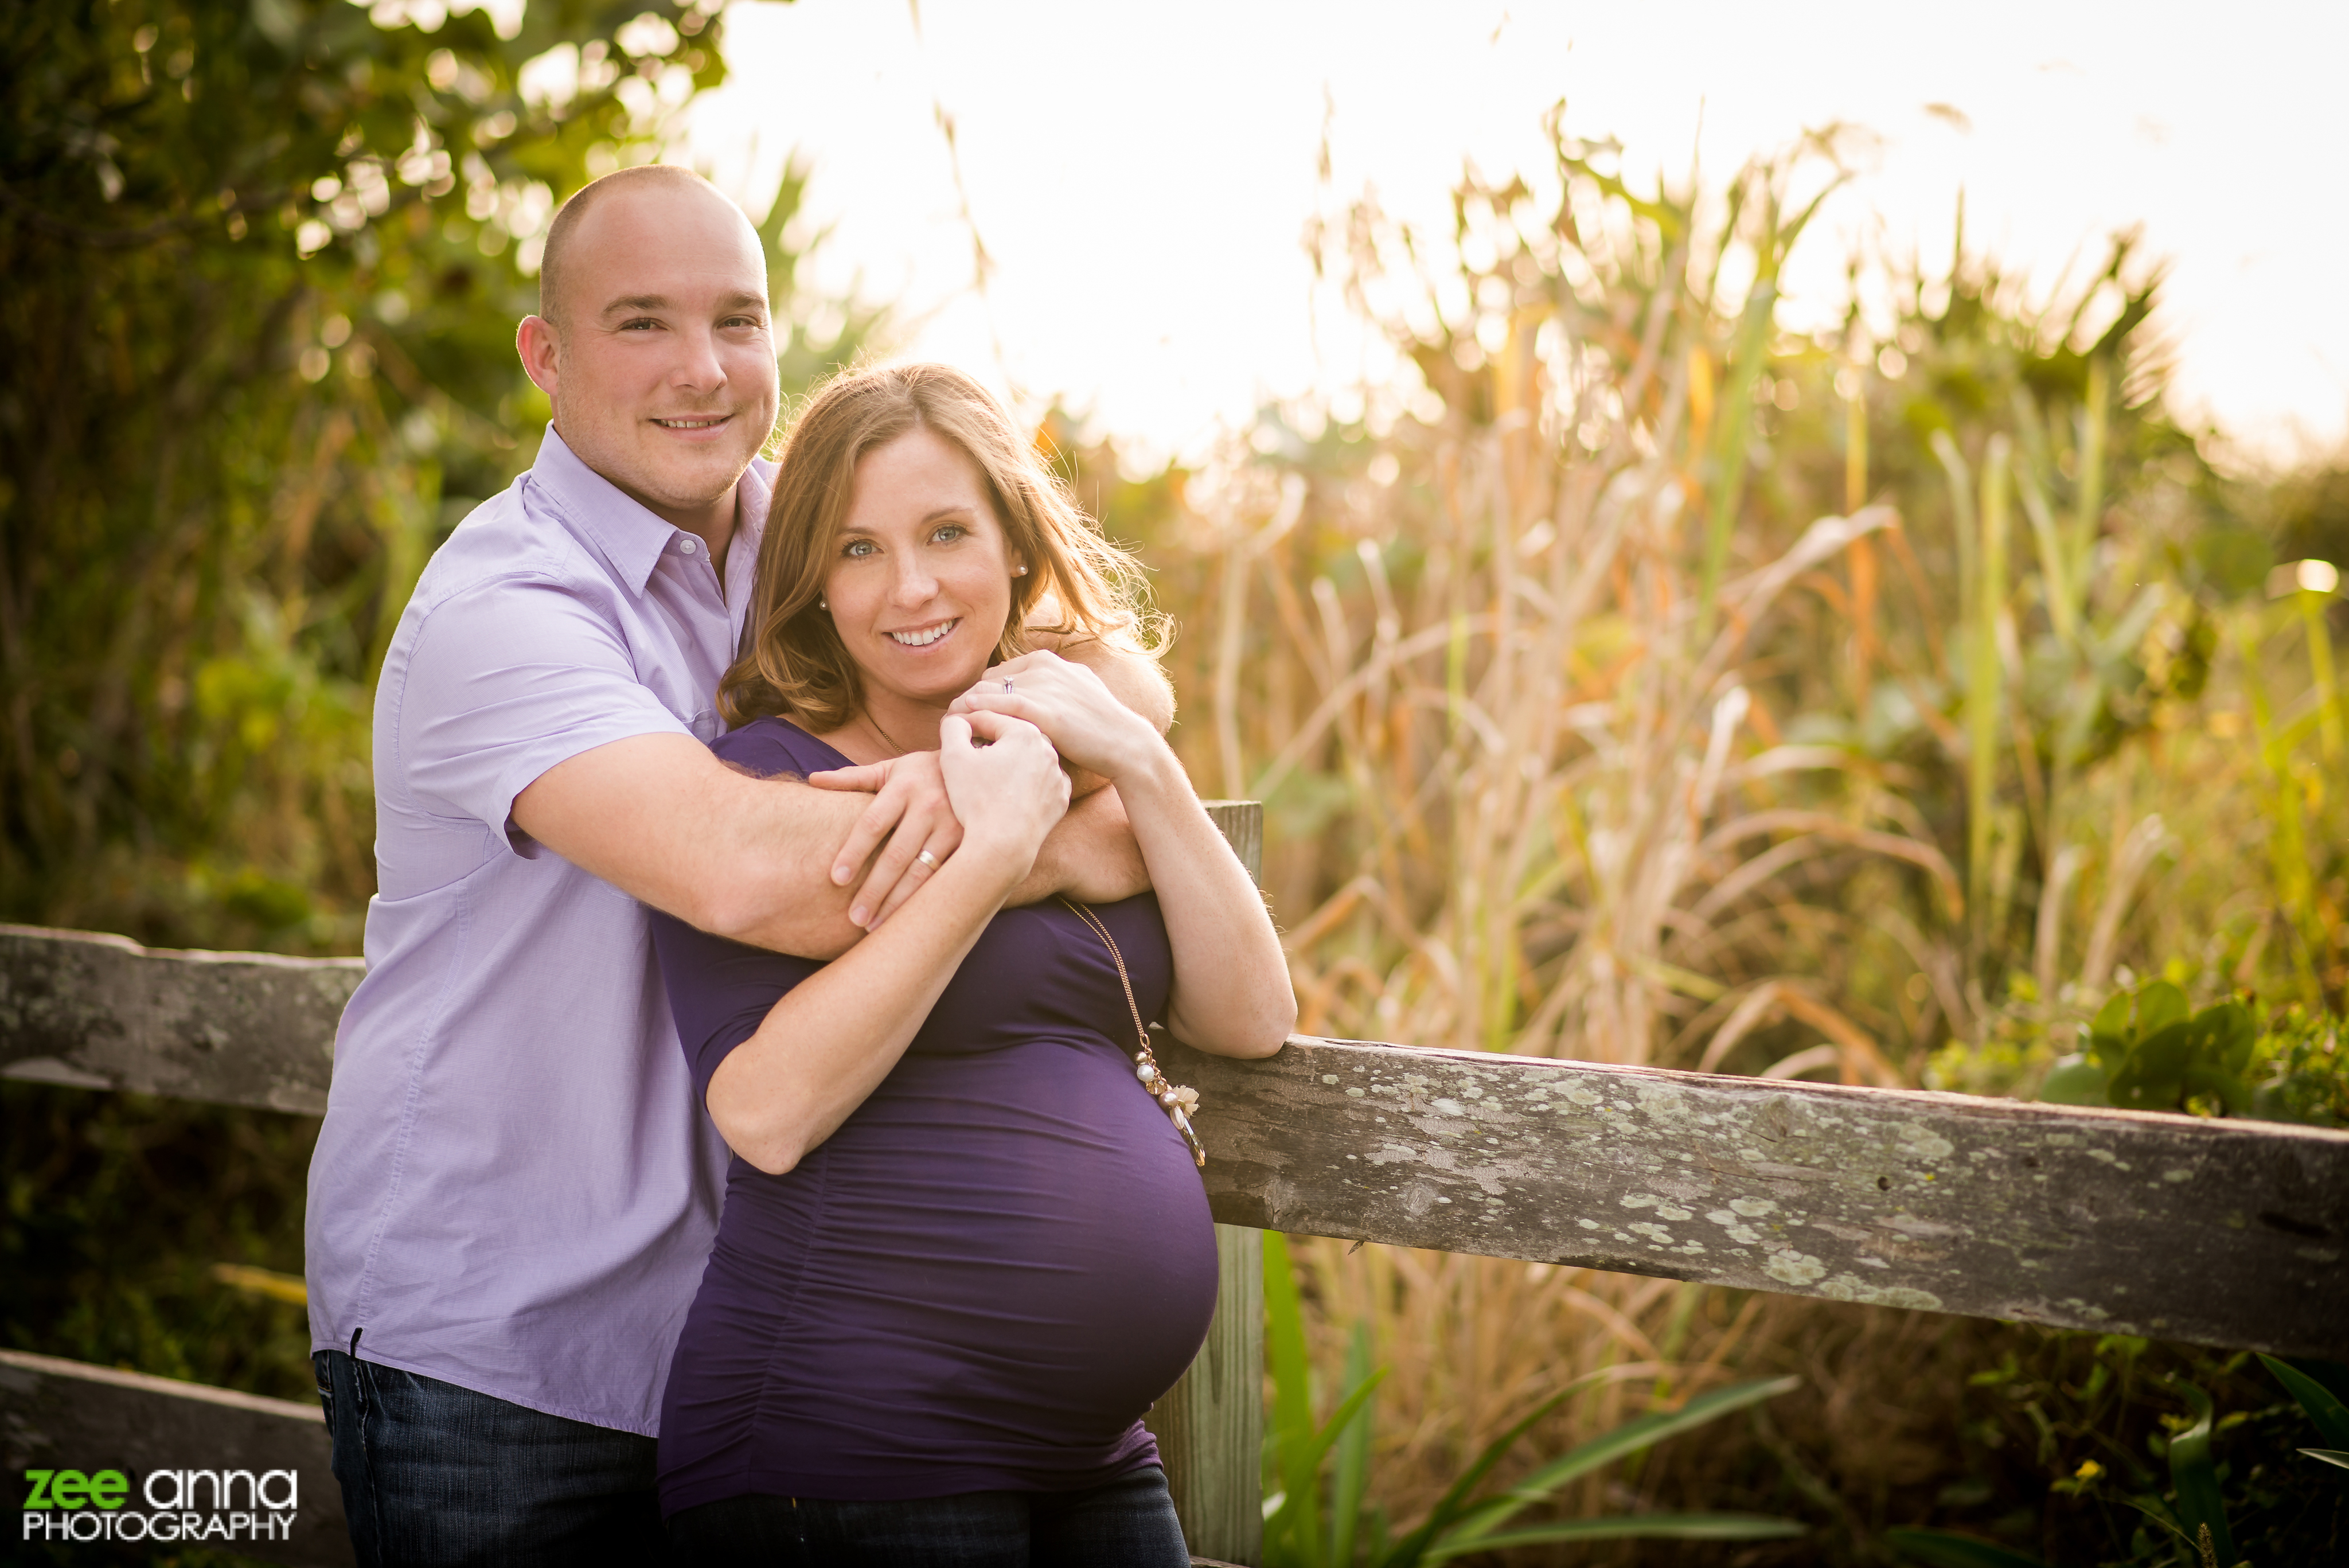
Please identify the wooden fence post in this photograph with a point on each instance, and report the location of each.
(1210, 1425)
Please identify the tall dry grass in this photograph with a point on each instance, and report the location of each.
(1638, 682)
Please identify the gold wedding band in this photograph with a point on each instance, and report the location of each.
(927, 858)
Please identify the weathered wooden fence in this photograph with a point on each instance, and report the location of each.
(2222, 1232)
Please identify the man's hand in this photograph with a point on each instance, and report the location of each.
(910, 816)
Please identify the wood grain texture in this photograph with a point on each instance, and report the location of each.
(1210, 1425)
(238, 1029)
(2219, 1232)
(1242, 821)
(65, 1414)
(2223, 1233)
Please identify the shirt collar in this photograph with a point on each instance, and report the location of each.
(622, 529)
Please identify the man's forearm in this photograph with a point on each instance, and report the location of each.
(660, 818)
(1092, 856)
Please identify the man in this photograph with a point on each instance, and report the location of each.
(515, 1192)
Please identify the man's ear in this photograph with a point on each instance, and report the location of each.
(541, 348)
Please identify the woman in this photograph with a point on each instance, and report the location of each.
(965, 1246)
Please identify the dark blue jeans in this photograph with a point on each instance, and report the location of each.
(1127, 1523)
(436, 1476)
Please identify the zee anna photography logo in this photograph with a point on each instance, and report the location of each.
(179, 1505)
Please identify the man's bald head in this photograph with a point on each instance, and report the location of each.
(563, 233)
(653, 342)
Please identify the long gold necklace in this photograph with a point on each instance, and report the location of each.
(1174, 1099)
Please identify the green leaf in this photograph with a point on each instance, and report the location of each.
(1295, 1446)
(2218, 1085)
(2233, 1032)
(1293, 1409)
(1295, 1525)
(1622, 1443)
(2074, 1080)
(2195, 1475)
(2330, 1456)
(2108, 1032)
(2160, 1004)
(1633, 1527)
(2324, 1406)
(1352, 1481)
(2153, 1076)
(1412, 1549)
(1298, 1517)
(1946, 1549)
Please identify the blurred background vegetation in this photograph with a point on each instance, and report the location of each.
(1639, 681)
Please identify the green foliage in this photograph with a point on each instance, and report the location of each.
(2201, 1509)
(265, 262)
(1310, 1522)
(2322, 1390)
(119, 1209)
(2115, 1451)
(2145, 1050)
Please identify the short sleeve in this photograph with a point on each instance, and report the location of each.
(773, 747)
(719, 991)
(506, 681)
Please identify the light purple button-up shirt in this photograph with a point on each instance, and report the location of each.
(514, 1190)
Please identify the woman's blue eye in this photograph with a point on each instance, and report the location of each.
(857, 547)
(950, 534)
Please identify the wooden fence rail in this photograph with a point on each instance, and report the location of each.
(2222, 1232)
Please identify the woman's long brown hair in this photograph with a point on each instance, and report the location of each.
(1078, 583)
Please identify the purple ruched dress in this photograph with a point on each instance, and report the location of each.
(983, 1279)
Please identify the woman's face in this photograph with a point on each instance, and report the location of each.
(920, 581)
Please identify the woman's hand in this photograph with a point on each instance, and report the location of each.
(1077, 712)
(1007, 793)
(828, 1044)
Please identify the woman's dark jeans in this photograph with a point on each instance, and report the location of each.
(1128, 1523)
(436, 1476)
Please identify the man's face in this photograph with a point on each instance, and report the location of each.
(662, 367)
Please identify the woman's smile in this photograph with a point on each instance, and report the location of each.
(924, 636)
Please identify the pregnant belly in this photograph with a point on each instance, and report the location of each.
(1007, 1254)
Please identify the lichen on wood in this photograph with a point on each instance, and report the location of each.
(2224, 1232)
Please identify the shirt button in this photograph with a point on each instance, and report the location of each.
(687, 545)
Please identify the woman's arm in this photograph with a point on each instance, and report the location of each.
(1231, 994)
(828, 1044)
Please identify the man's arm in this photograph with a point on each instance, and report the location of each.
(1092, 856)
(662, 819)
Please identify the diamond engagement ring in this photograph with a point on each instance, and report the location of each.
(1007, 683)
(927, 858)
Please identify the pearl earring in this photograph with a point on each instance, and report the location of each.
(1019, 571)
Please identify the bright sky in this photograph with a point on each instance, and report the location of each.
(1141, 173)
